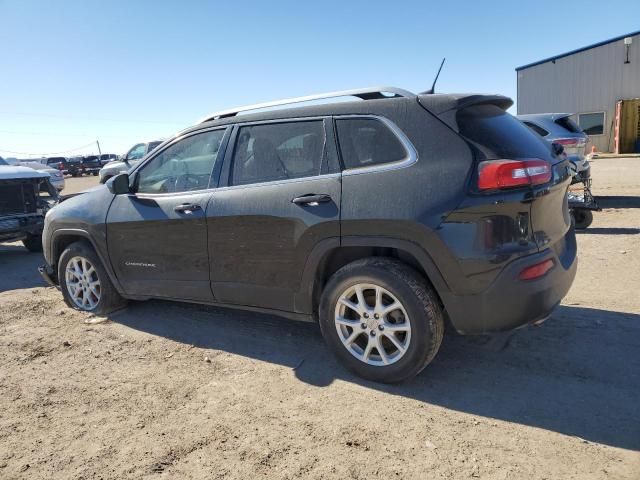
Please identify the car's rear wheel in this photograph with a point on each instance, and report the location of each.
(84, 282)
(382, 319)
(33, 243)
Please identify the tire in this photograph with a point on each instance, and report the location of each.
(94, 173)
(108, 298)
(582, 218)
(33, 243)
(423, 324)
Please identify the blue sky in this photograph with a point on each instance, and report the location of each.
(123, 71)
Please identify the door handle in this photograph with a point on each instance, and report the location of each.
(187, 208)
(311, 199)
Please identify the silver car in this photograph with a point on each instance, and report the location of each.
(128, 160)
(559, 128)
(56, 176)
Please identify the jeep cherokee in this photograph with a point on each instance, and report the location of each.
(378, 217)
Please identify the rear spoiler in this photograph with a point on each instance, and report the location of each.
(446, 106)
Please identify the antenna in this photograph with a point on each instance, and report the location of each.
(433, 87)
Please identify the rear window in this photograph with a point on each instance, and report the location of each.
(498, 134)
(365, 142)
(568, 124)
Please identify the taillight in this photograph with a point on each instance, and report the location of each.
(570, 142)
(537, 270)
(60, 167)
(497, 174)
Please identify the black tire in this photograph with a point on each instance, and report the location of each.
(582, 218)
(421, 304)
(110, 299)
(94, 173)
(33, 243)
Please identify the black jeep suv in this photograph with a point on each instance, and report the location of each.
(378, 217)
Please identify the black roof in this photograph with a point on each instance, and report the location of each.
(588, 47)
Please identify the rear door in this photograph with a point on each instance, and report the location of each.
(157, 236)
(280, 197)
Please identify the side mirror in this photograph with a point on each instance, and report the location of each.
(119, 184)
(557, 149)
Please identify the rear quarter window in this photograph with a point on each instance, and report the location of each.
(536, 128)
(366, 142)
(568, 124)
(497, 134)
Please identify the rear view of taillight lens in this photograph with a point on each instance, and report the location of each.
(499, 174)
(571, 142)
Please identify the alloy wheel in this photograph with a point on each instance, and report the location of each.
(372, 324)
(83, 283)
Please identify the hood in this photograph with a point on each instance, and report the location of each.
(12, 173)
(113, 163)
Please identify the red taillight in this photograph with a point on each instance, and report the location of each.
(537, 270)
(496, 174)
(570, 142)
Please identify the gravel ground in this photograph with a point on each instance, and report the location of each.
(168, 390)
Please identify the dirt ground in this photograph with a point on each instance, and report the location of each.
(168, 390)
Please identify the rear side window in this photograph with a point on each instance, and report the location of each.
(539, 130)
(498, 134)
(365, 142)
(568, 124)
(278, 151)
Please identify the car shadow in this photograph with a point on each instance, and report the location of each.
(19, 268)
(618, 201)
(610, 231)
(578, 374)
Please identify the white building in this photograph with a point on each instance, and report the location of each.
(599, 83)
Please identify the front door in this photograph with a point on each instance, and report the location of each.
(157, 236)
(279, 202)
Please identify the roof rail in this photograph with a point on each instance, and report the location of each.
(371, 93)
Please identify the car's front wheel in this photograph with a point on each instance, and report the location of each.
(382, 319)
(84, 282)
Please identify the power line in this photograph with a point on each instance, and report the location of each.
(82, 117)
(48, 154)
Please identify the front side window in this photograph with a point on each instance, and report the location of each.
(182, 167)
(365, 142)
(591, 123)
(278, 151)
(137, 152)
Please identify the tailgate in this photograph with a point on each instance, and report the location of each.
(494, 134)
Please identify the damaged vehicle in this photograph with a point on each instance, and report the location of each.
(382, 218)
(25, 197)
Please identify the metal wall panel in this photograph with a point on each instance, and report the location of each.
(589, 81)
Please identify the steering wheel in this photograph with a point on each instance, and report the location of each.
(185, 182)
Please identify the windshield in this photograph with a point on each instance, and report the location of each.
(2, 162)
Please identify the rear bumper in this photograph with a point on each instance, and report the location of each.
(510, 302)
